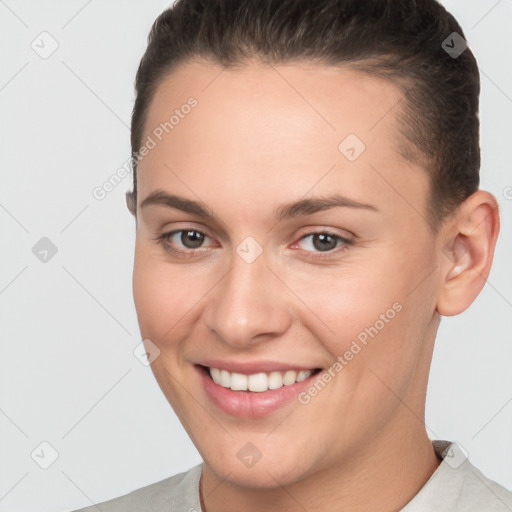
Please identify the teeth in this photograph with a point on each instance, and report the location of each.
(238, 382)
(225, 379)
(275, 380)
(303, 375)
(257, 382)
(215, 373)
(289, 377)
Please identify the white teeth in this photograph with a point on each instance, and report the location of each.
(238, 382)
(215, 373)
(289, 377)
(257, 382)
(303, 375)
(225, 379)
(275, 380)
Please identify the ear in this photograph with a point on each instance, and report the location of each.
(467, 249)
(131, 203)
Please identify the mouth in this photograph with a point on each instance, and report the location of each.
(253, 395)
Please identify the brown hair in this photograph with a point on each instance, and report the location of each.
(402, 40)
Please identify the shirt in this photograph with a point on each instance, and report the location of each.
(456, 485)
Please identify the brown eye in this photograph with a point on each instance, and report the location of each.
(183, 242)
(191, 238)
(322, 241)
(324, 244)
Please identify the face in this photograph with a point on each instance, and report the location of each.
(293, 254)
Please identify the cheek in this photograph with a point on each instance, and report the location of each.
(345, 305)
(159, 295)
(150, 295)
(378, 305)
(164, 303)
(168, 297)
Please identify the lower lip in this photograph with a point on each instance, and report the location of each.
(250, 404)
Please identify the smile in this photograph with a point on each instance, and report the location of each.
(258, 382)
(253, 395)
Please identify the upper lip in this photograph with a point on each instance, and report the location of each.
(251, 367)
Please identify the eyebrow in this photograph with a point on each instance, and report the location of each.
(291, 210)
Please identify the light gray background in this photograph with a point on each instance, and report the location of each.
(68, 326)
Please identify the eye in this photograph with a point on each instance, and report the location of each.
(324, 242)
(182, 242)
(189, 242)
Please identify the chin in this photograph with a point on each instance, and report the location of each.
(262, 476)
(237, 460)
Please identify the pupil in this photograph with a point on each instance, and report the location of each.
(325, 245)
(192, 239)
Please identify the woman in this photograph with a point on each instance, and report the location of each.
(307, 208)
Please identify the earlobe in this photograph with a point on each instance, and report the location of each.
(467, 254)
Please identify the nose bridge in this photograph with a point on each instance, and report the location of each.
(248, 301)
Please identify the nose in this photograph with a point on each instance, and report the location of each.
(249, 305)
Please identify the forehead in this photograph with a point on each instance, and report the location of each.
(302, 94)
(281, 126)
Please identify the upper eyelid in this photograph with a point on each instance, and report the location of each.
(201, 230)
(305, 230)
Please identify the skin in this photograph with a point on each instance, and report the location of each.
(259, 137)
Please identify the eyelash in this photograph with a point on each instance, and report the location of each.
(164, 238)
